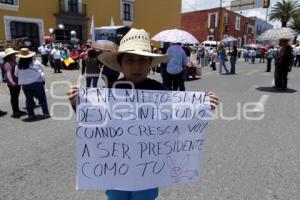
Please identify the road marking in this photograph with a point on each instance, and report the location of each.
(252, 72)
(260, 105)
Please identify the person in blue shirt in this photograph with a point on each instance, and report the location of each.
(222, 59)
(176, 68)
(269, 59)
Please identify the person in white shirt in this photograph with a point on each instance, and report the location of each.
(44, 51)
(2, 55)
(56, 56)
(297, 54)
(31, 77)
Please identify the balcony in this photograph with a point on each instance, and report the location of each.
(69, 8)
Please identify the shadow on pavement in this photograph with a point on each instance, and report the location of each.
(275, 90)
(36, 119)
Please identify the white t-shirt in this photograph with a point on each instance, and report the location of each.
(56, 54)
(33, 74)
(2, 54)
(298, 51)
(44, 50)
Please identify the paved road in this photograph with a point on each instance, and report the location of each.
(243, 159)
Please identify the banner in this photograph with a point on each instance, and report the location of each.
(139, 139)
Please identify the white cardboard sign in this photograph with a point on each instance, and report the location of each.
(139, 139)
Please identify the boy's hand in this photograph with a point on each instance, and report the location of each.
(214, 100)
(72, 93)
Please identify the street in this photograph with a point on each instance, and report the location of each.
(243, 158)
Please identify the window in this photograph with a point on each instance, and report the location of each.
(226, 19)
(212, 20)
(73, 6)
(238, 23)
(7, 2)
(25, 29)
(210, 38)
(9, 5)
(127, 9)
(250, 29)
(127, 12)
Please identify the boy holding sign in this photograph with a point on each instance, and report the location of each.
(134, 60)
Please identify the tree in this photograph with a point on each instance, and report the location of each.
(284, 11)
(295, 23)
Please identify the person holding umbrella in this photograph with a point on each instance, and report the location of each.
(176, 68)
(283, 64)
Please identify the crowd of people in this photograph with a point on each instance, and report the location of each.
(184, 60)
(27, 74)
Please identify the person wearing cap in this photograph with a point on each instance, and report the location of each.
(134, 60)
(45, 51)
(56, 57)
(12, 81)
(31, 76)
(214, 59)
(283, 63)
(92, 68)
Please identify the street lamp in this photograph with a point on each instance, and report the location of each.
(62, 27)
(73, 33)
(73, 36)
(51, 31)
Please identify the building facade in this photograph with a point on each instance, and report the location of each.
(37, 19)
(216, 24)
(261, 26)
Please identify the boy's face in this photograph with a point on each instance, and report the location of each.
(135, 67)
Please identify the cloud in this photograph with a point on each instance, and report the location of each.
(261, 13)
(257, 13)
(192, 5)
(189, 5)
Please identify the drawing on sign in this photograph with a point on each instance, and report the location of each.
(178, 172)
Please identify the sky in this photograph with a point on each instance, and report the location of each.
(192, 5)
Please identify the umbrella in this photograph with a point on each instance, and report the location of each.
(48, 38)
(175, 36)
(277, 33)
(229, 39)
(255, 46)
(106, 45)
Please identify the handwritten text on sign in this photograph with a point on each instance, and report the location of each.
(139, 139)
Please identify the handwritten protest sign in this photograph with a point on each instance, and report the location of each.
(139, 139)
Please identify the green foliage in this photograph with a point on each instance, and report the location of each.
(284, 11)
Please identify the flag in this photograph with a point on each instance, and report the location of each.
(92, 30)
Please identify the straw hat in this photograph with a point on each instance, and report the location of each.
(25, 53)
(136, 42)
(10, 51)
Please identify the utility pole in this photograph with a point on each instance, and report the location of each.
(219, 23)
(267, 13)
